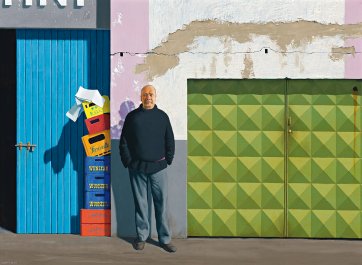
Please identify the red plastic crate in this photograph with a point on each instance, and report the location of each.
(98, 123)
(95, 229)
(93, 216)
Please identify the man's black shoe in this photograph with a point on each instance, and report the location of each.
(138, 244)
(168, 247)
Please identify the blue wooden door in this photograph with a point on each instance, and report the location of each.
(51, 65)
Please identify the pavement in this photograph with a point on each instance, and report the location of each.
(54, 249)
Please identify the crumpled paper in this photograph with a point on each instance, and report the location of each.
(83, 94)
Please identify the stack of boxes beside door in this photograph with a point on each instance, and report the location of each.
(96, 217)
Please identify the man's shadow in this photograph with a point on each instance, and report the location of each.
(123, 204)
(70, 143)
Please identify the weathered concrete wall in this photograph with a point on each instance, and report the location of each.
(228, 39)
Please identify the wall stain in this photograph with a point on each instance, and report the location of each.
(248, 70)
(339, 52)
(165, 56)
(227, 50)
(298, 63)
(213, 67)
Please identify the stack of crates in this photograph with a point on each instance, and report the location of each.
(95, 218)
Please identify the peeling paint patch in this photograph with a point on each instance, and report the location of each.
(296, 34)
(248, 70)
(338, 52)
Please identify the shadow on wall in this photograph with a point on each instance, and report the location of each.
(123, 204)
(124, 109)
(57, 157)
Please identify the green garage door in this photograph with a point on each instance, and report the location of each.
(266, 153)
(324, 169)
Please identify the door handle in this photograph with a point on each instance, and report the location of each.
(290, 125)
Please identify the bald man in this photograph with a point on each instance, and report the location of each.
(146, 147)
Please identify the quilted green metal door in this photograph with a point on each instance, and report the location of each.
(236, 158)
(324, 164)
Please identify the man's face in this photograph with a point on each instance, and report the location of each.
(148, 97)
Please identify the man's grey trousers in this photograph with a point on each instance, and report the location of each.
(158, 182)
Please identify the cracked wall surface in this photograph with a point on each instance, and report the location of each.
(227, 39)
(288, 37)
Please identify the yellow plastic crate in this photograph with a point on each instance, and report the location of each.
(92, 109)
(98, 144)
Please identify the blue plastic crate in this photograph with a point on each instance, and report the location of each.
(97, 164)
(97, 200)
(97, 182)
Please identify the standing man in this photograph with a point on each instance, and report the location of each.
(147, 146)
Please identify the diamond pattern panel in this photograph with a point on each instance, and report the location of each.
(224, 222)
(236, 184)
(324, 167)
(236, 158)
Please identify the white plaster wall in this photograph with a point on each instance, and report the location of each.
(223, 57)
(166, 16)
(307, 61)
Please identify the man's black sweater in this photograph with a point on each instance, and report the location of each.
(147, 143)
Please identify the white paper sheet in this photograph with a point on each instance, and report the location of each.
(83, 94)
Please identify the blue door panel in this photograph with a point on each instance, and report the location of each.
(51, 65)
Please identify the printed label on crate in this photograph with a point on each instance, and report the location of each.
(98, 144)
(93, 216)
(93, 169)
(98, 123)
(95, 229)
(99, 181)
(97, 164)
(91, 109)
(97, 200)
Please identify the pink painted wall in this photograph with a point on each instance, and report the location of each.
(129, 33)
(353, 15)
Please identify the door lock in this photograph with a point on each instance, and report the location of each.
(28, 146)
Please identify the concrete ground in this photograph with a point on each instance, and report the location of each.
(73, 249)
